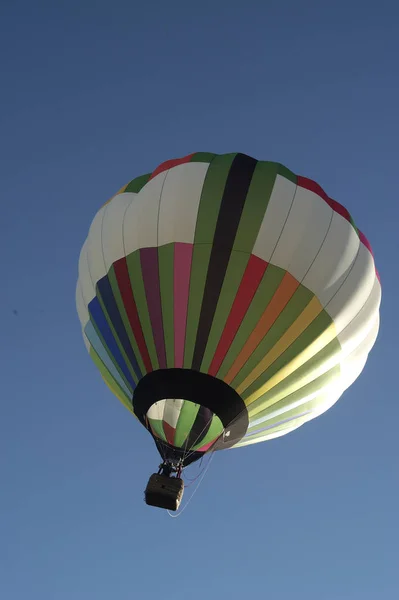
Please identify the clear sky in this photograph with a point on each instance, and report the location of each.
(92, 94)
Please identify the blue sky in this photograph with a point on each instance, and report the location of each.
(93, 94)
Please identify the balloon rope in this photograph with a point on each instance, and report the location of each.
(186, 456)
(174, 516)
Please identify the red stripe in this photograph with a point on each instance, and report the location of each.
(169, 432)
(123, 279)
(150, 272)
(207, 446)
(181, 291)
(252, 277)
(169, 164)
(365, 241)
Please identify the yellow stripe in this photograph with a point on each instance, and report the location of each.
(120, 192)
(321, 342)
(298, 383)
(308, 315)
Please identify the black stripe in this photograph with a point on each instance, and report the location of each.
(199, 428)
(232, 204)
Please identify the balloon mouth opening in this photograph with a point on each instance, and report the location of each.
(211, 401)
(185, 424)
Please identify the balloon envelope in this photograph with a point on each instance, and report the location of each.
(226, 301)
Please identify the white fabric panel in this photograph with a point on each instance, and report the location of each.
(140, 227)
(180, 200)
(334, 260)
(349, 299)
(327, 399)
(303, 234)
(172, 411)
(351, 369)
(156, 410)
(276, 214)
(358, 329)
(95, 247)
(353, 364)
(81, 307)
(87, 286)
(112, 239)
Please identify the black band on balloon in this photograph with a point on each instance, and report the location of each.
(200, 388)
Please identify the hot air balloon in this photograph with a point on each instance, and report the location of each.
(225, 301)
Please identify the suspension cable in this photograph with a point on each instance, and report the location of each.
(174, 516)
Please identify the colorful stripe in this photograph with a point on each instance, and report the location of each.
(102, 327)
(150, 270)
(278, 302)
(231, 207)
(181, 288)
(252, 214)
(249, 284)
(235, 269)
(136, 279)
(211, 198)
(184, 424)
(114, 316)
(129, 303)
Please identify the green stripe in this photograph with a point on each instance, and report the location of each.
(266, 290)
(138, 183)
(284, 172)
(187, 416)
(256, 203)
(292, 386)
(297, 303)
(311, 333)
(205, 157)
(235, 271)
(199, 269)
(137, 283)
(251, 219)
(214, 431)
(157, 426)
(166, 277)
(318, 384)
(122, 311)
(211, 197)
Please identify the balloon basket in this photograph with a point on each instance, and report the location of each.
(164, 492)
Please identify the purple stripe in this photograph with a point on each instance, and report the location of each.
(150, 271)
(278, 424)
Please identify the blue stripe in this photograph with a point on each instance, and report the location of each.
(97, 315)
(101, 351)
(111, 306)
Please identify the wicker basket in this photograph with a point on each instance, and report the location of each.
(164, 492)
